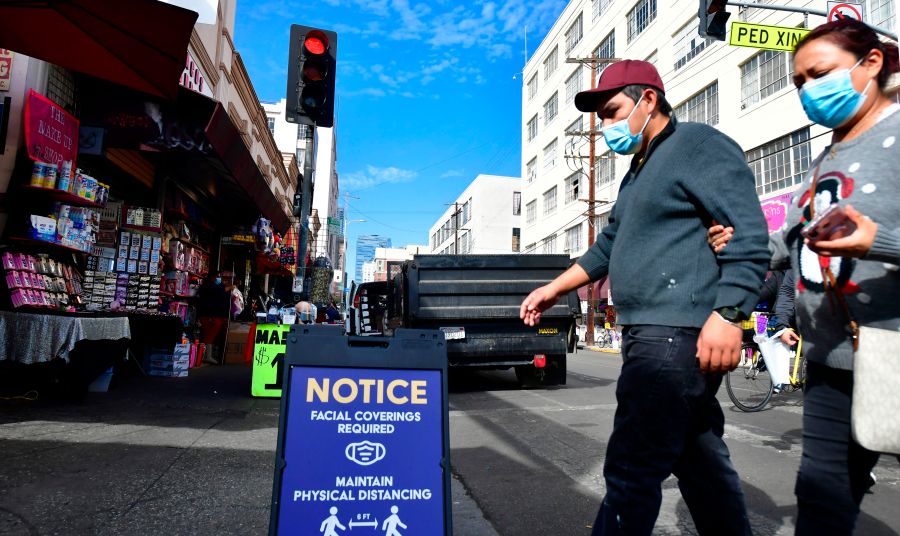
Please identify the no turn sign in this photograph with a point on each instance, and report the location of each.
(845, 10)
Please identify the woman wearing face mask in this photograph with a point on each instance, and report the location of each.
(841, 70)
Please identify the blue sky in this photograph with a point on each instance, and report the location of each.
(426, 96)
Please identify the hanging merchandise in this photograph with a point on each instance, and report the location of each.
(265, 237)
(321, 275)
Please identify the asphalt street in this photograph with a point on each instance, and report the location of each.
(532, 459)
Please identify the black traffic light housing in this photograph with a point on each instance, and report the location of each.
(713, 19)
(312, 63)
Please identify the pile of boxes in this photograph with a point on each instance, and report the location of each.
(174, 365)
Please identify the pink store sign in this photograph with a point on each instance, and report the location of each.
(775, 209)
(51, 134)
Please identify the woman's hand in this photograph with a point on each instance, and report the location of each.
(718, 236)
(856, 244)
(790, 337)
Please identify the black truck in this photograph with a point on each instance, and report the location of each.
(475, 300)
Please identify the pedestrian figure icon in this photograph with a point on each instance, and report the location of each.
(331, 522)
(391, 523)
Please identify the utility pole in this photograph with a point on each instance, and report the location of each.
(593, 61)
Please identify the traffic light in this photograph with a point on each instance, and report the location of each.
(311, 75)
(713, 19)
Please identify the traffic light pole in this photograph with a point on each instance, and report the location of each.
(806, 12)
(309, 167)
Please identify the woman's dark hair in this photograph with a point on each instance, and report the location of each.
(635, 91)
(858, 39)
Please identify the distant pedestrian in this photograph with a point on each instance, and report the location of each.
(679, 304)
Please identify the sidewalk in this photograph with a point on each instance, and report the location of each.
(154, 456)
(598, 349)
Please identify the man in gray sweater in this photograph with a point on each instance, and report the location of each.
(680, 303)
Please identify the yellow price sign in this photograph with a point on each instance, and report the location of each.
(744, 34)
(268, 359)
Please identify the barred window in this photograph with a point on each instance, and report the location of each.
(549, 244)
(572, 182)
(601, 221)
(604, 169)
(880, 13)
(271, 124)
(531, 170)
(763, 75)
(531, 212)
(551, 63)
(599, 7)
(575, 139)
(640, 16)
(550, 201)
(516, 239)
(550, 155)
(574, 34)
(573, 85)
(780, 163)
(702, 107)
(61, 88)
(517, 203)
(573, 239)
(550, 109)
(606, 49)
(532, 86)
(688, 44)
(532, 128)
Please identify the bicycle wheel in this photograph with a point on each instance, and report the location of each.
(749, 386)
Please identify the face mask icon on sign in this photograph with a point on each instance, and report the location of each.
(365, 452)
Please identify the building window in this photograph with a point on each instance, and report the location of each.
(573, 239)
(688, 44)
(574, 34)
(606, 49)
(532, 128)
(271, 123)
(532, 86)
(880, 13)
(516, 239)
(781, 163)
(304, 132)
(301, 159)
(549, 244)
(551, 63)
(604, 169)
(550, 155)
(575, 139)
(640, 16)
(598, 7)
(600, 222)
(465, 243)
(517, 203)
(531, 170)
(763, 75)
(572, 183)
(530, 248)
(550, 109)
(702, 107)
(550, 201)
(467, 211)
(61, 88)
(573, 85)
(531, 212)
(653, 58)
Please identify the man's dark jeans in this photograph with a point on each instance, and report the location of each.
(668, 421)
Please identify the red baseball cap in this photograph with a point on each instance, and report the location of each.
(616, 76)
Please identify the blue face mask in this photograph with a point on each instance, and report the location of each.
(218, 280)
(619, 138)
(832, 100)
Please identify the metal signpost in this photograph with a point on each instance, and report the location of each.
(363, 437)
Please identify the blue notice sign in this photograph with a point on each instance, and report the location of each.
(362, 453)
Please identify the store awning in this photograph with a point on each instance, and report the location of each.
(601, 290)
(141, 44)
(228, 144)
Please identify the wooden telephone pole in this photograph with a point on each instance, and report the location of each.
(593, 61)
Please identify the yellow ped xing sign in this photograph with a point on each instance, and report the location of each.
(268, 359)
(744, 34)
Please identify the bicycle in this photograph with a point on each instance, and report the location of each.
(750, 386)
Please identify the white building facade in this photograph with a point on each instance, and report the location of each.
(485, 218)
(744, 92)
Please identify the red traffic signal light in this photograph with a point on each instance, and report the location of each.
(311, 76)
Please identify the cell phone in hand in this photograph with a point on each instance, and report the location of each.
(830, 224)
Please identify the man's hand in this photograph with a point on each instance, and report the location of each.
(790, 337)
(718, 236)
(857, 244)
(719, 345)
(540, 299)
